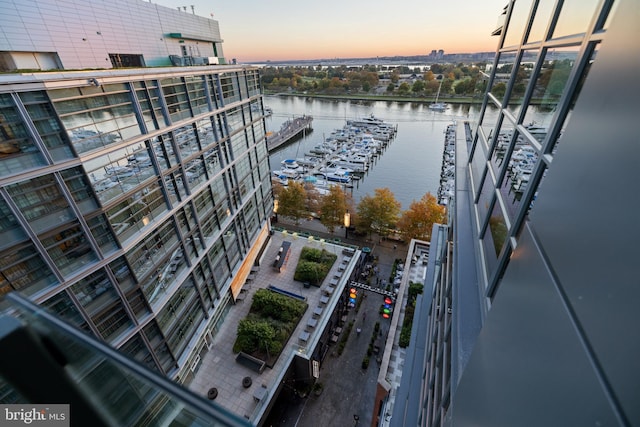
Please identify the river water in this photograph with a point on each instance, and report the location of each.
(409, 167)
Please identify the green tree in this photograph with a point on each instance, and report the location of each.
(292, 201)
(404, 88)
(391, 87)
(333, 207)
(498, 90)
(378, 213)
(418, 220)
(418, 86)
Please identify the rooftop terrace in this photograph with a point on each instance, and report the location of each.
(219, 368)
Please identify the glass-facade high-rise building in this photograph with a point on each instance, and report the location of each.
(134, 200)
(528, 316)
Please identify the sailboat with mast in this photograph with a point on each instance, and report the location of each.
(438, 106)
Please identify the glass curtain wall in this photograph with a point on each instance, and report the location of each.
(544, 57)
(138, 239)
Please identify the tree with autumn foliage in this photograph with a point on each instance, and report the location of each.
(333, 206)
(378, 213)
(314, 198)
(417, 221)
(292, 201)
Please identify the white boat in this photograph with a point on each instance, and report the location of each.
(536, 131)
(438, 106)
(291, 165)
(340, 176)
(366, 121)
(287, 174)
(333, 167)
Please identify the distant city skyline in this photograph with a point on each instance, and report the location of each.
(255, 31)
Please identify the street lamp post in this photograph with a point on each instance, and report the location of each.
(347, 223)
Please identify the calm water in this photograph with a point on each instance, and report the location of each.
(410, 166)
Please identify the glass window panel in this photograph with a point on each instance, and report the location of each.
(138, 304)
(253, 82)
(486, 197)
(136, 349)
(152, 251)
(494, 238)
(97, 121)
(234, 119)
(212, 161)
(505, 135)
(102, 304)
(25, 270)
(169, 317)
(69, 248)
(148, 96)
(159, 346)
(231, 244)
(478, 164)
(205, 132)
(120, 270)
(10, 230)
(195, 172)
(549, 86)
(175, 94)
(18, 152)
(160, 257)
(517, 23)
(163, 148)
(175, 186)
(520, 167)
(204, 204)
(239, 144)
(46, 122)
(521, 81)
(197, 94)
(120, 171)
(541, 21)
(574, 97)
(186, 141)
(80, 189)
(41, 202)
(229, 88)
(132, 215)
(102, 234)
(575, 17)
(242, 85)
(505, 65)
(65, 309)
(189, 322)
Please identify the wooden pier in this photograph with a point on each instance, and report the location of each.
(289, 130)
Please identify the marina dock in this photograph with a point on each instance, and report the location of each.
(343, 157)
(289, 130)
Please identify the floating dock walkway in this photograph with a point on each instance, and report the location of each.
(288, 131)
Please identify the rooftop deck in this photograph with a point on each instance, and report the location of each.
(219, 369)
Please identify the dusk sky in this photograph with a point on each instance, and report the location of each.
(259, 30)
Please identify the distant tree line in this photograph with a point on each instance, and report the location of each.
(457, 79)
